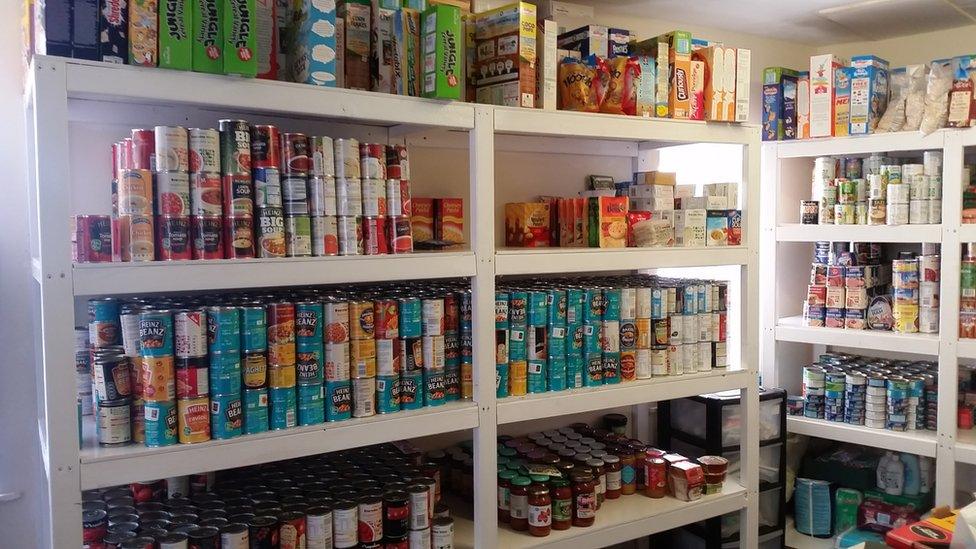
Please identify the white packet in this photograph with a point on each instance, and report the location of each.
(894, 116)
(915, 97)
(936, 112)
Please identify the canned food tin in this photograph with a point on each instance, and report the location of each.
(226, 416)
(411, 390)
(371, 192)
(321, 196)
(282, 408)
(433, 312)
(347, 158)
(375, 238)
(239, 237)
(173, 194)
(518, 377)
(362, 356)
(281, 333)
(234, 536)
(192, 382)
(204, 150)
(433, 352)
(452, 382)
(387, 357)
(104, 328)
(311, 410)
(158, 378)
(397, 163)
(338, 400)
(364, 397)
(337, 362)
(282, 376)
(386, 318)
(809, 210)
(291, 530)
(294, 194)
(137, 420)
(387, 394)
(410, 317)
(348, 197)
(372, 160)
(194, 419)
(321, 151)
(264, 147)
(255, 369)
(161, 424)
(420, 539)
(238, 195)
(207, 237)
(255, 411)
(411, 353)
(223, 330)
(336, 321)
(156, 333)
(361, 320)
(298, 236)
(325, 236)
(113, 422)
(400, 234)
(434, 390)
(235, 146)
(135, 195)
(112, 378)
(267, 188)
(170, 149)
(254, 334)
(350, 235)
(190, 333)
(309, 370)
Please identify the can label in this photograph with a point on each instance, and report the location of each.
(387, 394)
(235, 147)
(361, 320)
(411, 390)
(338, 400)
(173, 238)
(349, 197)
(337, 361)
(282, 404)
(350, 236)
(254, 332)
(387, 357)
(255, 370)
(411, 354)
(190, 333)
(309, 367)
(204, 151)
(223, 330)
(322, 155)
(255, 411)
(347, 158)
(226, 416)
(325, 236)
(294, 153)
(434, 390)
(207, 237)
(192, 382)
(336, 322)
(298, 236)
(161, 424)
(156, 333)
(113, 424)
(364, 397)
(267, 187)
(194, 419)
(264, 147)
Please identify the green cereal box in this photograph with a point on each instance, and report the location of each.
(207, 39)
(442, 55)
(175, 25)
(239, 38)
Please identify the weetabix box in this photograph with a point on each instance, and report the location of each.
(774, 124)
(113, 31)
(382, 50)
(207, 20)
(407, 69)
(266, 17)
(505, 62)
(175, 25)
(822, 72)
(143, 32)
(743, 84)
(803, 105)
(869, 98)
(313, 54)
(842, 101)
(239, 38)
(588, 40)
(442, 55)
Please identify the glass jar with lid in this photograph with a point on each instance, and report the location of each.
(504, 497)
(612, 469)
(540, 507)
(519, 503)
(562, 504)
(599, 479)
(584, 500)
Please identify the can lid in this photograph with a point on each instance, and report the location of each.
(233, 528)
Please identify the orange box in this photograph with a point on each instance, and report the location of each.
(612, 221)
(449, 220)
(680, 98)
(422, 219)
(527, 224)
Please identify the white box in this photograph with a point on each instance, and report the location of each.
(684, 191)
(743, 65)
(693, 203)
(641, 204)
(822, 94)
(657, 192)
(716, 202)
(566, 15)
(728, 190)
(689, 228)
(548, 65)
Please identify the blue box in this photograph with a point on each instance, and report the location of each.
(588, 40)
(52, 27)
(869, 98)
(773, 121)
(84, 30)
(314, 60)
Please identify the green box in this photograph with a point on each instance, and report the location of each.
(207, 35)
(175, 26)
(443, 57)
(240, 43)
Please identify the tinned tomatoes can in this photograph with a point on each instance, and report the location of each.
(173, 241)
(397, 162)
(291, 530)
(171, 149)
(348, 196)
(206, 194)
(235, 147)
(264, 146)
(364, 397)
(208, 242)
(374, 236)
(294, 153)
(394, 205)
(204, 151)
(267, 187)
(374, 197)
(321, 195)
(325, 236)
(388, 357)
(350, 235)
(298, 236)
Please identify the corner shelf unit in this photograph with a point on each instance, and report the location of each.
(788, 345)
(74, 109)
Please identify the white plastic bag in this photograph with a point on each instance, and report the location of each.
(936, 112)
(893, 118)
(915, 97)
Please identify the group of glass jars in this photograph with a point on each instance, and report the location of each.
(560, 478)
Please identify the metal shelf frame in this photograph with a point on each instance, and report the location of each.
(59, 91)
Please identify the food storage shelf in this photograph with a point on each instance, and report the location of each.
(797, 232)
(663, 131)
(792, 329)
(966, 348)
(103, 466)
(124, 83)
(167, 276)
(923, 443)
(967, 233)
(796, 540)
(574, 401)
(519, 261)
(965, 446)
(617, 521)
(861, 144)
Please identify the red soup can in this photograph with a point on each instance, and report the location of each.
(208, 240)
(401, 237)
(93, 239)
(397, 165)
(173, 238)
(143, 151)
(372, 160)
(294, 153)
(374, 236)
(264, 146)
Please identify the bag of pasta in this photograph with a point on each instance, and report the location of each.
(577, 89)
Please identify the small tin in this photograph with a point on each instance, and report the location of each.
(311, 409)
(321, 151)
(412, 390)
(190, 333)
(194, 419)
(265, 147)
(434, 390)
(208, 237)
(282, 408)
(337, 364)
(239, 237)
(387, 357)
(375, 238)
(348, 197)
(254, 367)
(294, 153)
(281, 333)
(347, 158)
(298, 236)
(158, 378)
(225, 373)
(361, 320)
(113, 422)
(204, 150)
(410, 317)
(281, 377)
(325, 236)
(223, 330)
(192, 382)
(364, 397)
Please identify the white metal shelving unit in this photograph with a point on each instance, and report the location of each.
(788, 345)
(75, 108)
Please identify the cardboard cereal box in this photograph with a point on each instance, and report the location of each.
(113, 31)
(207, 19)
(774, 123)
(822, 74)
(679, 59)
(618, 41)
(743, 83)
(588, 40)
(239, 38)
(653, 54)
(422, 219)
(449, 220)
(442, 52)
(313, 55)
(842, 101)
(144, 33)
(85, 42)
(608, 221)
(356, 29)
(869, 96)
(382, 50)
(51, 26)
(505, 60)
(789, 106)
(719, 102)
(803, 105)
(407, 68)
(175, 25)
(548, 65)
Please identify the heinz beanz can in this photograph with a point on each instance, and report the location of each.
(161, 423)
(255, 411)
(412, 390)
(410, 317)
(387, 394)
(282, 404)
(434, 390)
(338, 400)
(226, 416)
(311, 409)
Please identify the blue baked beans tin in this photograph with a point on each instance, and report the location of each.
(387, 394)
(309, 369)
(501, 380)
(591, 336)
(517, 344)
(308, 324)
(536, 377)
(611, 368)
(556, 301)
(254, 330)
(452, 383)
(556, 341)
(226, 416)
(412, 390)
(156, 333)
(574, 305)
(611, 304)
(282, 408)
(556, 373)
(518, 302)
(411, 321)
(592, 305)
(434, 387)
(593, 376)
(161, 423)
(575, 370)
(104, 326)
(464, 307)
(538, 308)
(223, 330)
(225, 373)
(452, 350)
(338, 400)
(311, 408)
(255, 411)
(501, 310)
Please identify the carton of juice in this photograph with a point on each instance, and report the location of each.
(313, 54)
(356, 28)
(442, 55)
(239, 38)
(175, 25)
(113, 31)
(822, 74)
(842, 101)
(143, 33)
(206, 17)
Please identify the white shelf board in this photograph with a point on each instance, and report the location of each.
(110, 466)
(517, 121)
(162, 276)
(923, 443)
(861, 144)
(617, 521)
(966, 348)
(965, 446)
(967, 233)
(124, 83)
(797, 232)
(574, 401)
(520, 261)
(792, 329)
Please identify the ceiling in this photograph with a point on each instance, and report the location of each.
(814, 22)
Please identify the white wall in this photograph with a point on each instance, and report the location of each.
(918, 48)
(20, 469)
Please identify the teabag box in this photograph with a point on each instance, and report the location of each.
(505, 62)
(822, 75)
(869, 93)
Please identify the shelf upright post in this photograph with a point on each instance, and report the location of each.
(749, 346)
(767, 242)
(481, 144)
(57, 408)
(949, 293)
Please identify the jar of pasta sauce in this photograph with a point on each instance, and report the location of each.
(584, 500)
(656, 470)
(519, 503)
(612, 470)
(599, 479)
(562, 504)
(540, 507)
(504, 496)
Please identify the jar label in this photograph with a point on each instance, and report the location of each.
(503, 495)
(540, 515)
(613, 480)
(627, 474)
(586, 505)
(562, 509)
(519, 507)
